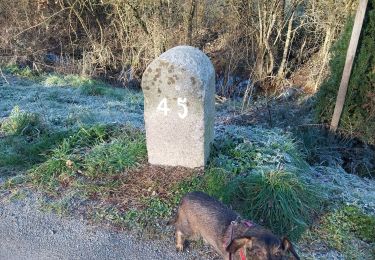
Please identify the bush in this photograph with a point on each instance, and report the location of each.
(358, 116)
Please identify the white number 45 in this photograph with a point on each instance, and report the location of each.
(181, 102)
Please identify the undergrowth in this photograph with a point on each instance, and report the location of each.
(348, 230)
(24, 72)
(322, 147)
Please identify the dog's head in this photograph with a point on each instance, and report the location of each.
(260, 244)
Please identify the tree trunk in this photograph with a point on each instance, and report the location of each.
(190, 18)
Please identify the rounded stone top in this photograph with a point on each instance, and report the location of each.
(191, 59)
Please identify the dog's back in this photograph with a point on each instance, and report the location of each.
(202, 215)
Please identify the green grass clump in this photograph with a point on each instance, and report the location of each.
(22, 123)
(66, 159)
(60, 166)
(21, 152)
(277, 199)
(121, 153)
(92, 152)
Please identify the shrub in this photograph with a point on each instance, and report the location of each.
(358, 116)
(277, 199)
(22, 123)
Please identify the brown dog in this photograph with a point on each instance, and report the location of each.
(200, 215)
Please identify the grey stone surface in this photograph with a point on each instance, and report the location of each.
(179, 98)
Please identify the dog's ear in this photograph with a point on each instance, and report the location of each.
(237, 243)
(286, 245)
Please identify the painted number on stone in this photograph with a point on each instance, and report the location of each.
(181, 102)
(163, 106)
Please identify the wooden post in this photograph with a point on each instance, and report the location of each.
(361, 11)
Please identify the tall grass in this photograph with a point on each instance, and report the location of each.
(277, 199)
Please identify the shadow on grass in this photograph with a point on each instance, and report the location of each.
(20, 153)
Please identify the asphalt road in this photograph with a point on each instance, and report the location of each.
(27, 233)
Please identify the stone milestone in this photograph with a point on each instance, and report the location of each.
(179, 100)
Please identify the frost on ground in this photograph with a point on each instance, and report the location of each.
(67, 107)
(348, 188)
